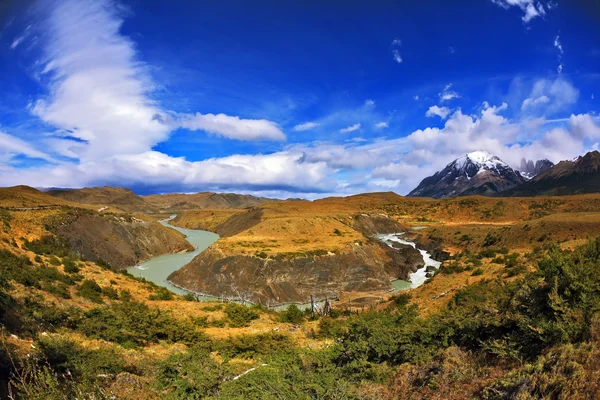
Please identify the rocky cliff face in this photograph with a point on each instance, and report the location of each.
(119, 240)
(528, 169)
(476, 173)
(363, 265)
(369, 267)
(581, 175)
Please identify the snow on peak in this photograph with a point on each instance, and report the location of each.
(480, 159)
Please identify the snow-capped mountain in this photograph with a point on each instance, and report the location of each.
(478, 172)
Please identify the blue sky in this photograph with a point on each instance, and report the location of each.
(300, 99)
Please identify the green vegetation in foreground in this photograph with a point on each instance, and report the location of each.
(535, 336)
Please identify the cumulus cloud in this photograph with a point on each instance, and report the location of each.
(305, 126)
(531, 8)
(233, 127)
(382, 125)
(350, 128)
(441, 112)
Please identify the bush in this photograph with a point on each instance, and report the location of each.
(239, 315)
(132, 323)
(65, 356)
(292, 315)
(331, 328)
(90, 290)
(70, 266)
(161, 293)
(190, 375)
(477, 272)
(49, 244)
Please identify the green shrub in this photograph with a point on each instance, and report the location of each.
(131, 323)
(49, 244)
(247, 346)
(331, 328)
(239, 315)
(477, 272)
(292, 315)
(70, 266)
(161, 293)
(190, 375)
(90, 290)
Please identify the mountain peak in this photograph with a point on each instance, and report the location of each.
(478, 172)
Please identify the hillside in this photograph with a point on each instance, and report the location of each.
(119, 198)
(288, 251)
(475, 173)
(483, 327)
(204, 200)
(510, 312)
(579, 176)
(28, 197)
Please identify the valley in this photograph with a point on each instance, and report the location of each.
(396, 272)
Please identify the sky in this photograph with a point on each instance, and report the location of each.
(289, 99)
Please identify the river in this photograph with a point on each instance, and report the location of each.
(416, 278)
(157, 269)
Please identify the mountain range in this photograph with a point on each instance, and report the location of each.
(478, 172)
(481, 173)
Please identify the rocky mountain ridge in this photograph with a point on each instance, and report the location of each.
(478, 172)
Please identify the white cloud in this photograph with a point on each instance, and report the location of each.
(416, 98)
(350, 128)
(531, 8)
(447, 94)
(306, 126)
(10, 146)
(559, 48)
(451, 50)
(558, 45)
(369, 103)
(382, 125)
(529, 102)
(396, 43)
(550, 96)
(583, 127)
(233, 127)
(441, 112)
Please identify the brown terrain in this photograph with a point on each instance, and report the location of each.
(287, 251)
(209, 200)
(119, 240)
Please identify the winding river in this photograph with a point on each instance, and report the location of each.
(159, 268)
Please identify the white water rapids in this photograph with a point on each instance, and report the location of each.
(416, 278)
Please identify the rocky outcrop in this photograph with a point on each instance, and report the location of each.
(578, 176)
(528, 169)
(120, 241)
(281, 279)
(369, 224)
